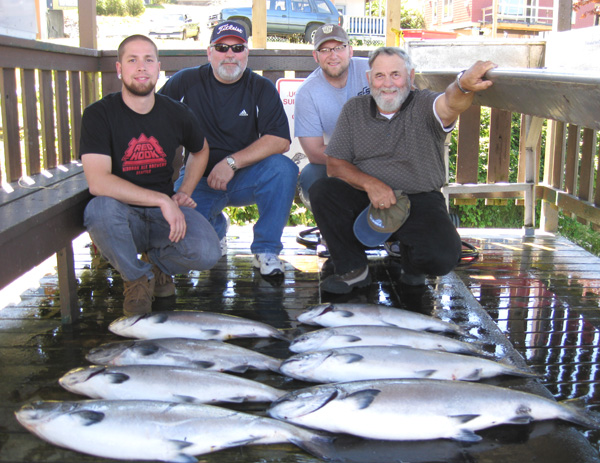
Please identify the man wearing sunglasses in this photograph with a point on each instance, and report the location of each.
(247, 130)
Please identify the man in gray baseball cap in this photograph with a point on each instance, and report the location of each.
(330, 32)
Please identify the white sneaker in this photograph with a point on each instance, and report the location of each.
(224, 246)
(269, 264)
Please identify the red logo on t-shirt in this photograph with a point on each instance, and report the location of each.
(143, 155)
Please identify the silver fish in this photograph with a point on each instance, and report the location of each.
(375, 314)
(419, 409)
(373, 335)
(192, 324)
(153, 430)
(378, 362)
(167, 383)
(208, 355)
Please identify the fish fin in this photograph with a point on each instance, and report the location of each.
(146, 349)
(160, 317)
(475, 375)
(363, 398)
(350, 358)
(238, 369)
(520, 419)
(211, 332)
(88, 417)
(204, 364)
(425, 373)
(179, 444)
(186, 399)
(184, 458)
(279, 334)
(467, 435)
(345, 313)
(117, 378)
(235, 400)
(464, 418)
(320, 445)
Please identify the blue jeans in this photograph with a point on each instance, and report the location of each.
(309, 175)
(270, 184)
(121, 232)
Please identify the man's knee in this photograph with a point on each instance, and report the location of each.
(101, 210)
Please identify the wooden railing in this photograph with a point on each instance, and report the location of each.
(45, 88)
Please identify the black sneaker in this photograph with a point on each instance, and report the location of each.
(344, 284)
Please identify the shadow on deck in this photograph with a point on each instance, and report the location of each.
(534, 300)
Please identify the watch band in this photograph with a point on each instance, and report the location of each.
(459, 75)
(231, 163)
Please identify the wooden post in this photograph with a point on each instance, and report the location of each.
(87, 24)
(393, 20)
(259, 24)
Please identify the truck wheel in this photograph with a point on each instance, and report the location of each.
(310, 33)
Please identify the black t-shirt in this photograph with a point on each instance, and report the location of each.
(233, 116)
(142, 146)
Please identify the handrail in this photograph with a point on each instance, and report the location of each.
(45, 87)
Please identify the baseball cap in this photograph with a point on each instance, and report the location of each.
(228, 29)
(329, 32)
(374, 226)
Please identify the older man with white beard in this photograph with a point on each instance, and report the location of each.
(385, 170)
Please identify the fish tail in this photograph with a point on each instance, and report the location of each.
(578, 413)
(319, 445)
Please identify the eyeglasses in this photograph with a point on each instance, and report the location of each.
(223, 48)
(338, 49)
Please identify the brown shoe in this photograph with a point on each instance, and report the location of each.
(138, 296)
(164, 286)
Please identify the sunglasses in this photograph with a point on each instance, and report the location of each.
(223, 48)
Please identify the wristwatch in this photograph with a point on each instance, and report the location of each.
(231, 163)
(460, 74)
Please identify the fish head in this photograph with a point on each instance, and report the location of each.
(309, 341)
(35, 414)
(123, 324)
(313, 313)
(303, 402)
(108, 353)
(298, 365)
(80, 375)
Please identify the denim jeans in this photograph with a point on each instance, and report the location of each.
(309, 174)
(121, 232)
(429, 241)
(270, 184)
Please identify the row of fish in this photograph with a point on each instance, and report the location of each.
(150, 385)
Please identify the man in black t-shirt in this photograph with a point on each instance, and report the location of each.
(128, 144)
(245, 124)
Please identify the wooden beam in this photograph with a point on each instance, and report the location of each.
(87, 24)
(393, 21)
(259, 24)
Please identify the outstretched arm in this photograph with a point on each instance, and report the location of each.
(454, 101)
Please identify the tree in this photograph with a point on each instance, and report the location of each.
(410, 19)
(577, 4)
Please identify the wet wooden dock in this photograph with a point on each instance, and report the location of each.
(534, 300)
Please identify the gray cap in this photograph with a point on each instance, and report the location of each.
(330, 32)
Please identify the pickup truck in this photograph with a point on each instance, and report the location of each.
(285, 17)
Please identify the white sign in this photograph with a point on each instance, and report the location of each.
(287, 92)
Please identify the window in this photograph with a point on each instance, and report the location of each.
(448, 7)
(434, 12)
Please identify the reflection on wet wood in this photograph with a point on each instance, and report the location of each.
(536, 297)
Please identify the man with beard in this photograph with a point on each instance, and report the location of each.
(320, 98)
(247, 130)
(386, 169)
(128, 144)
